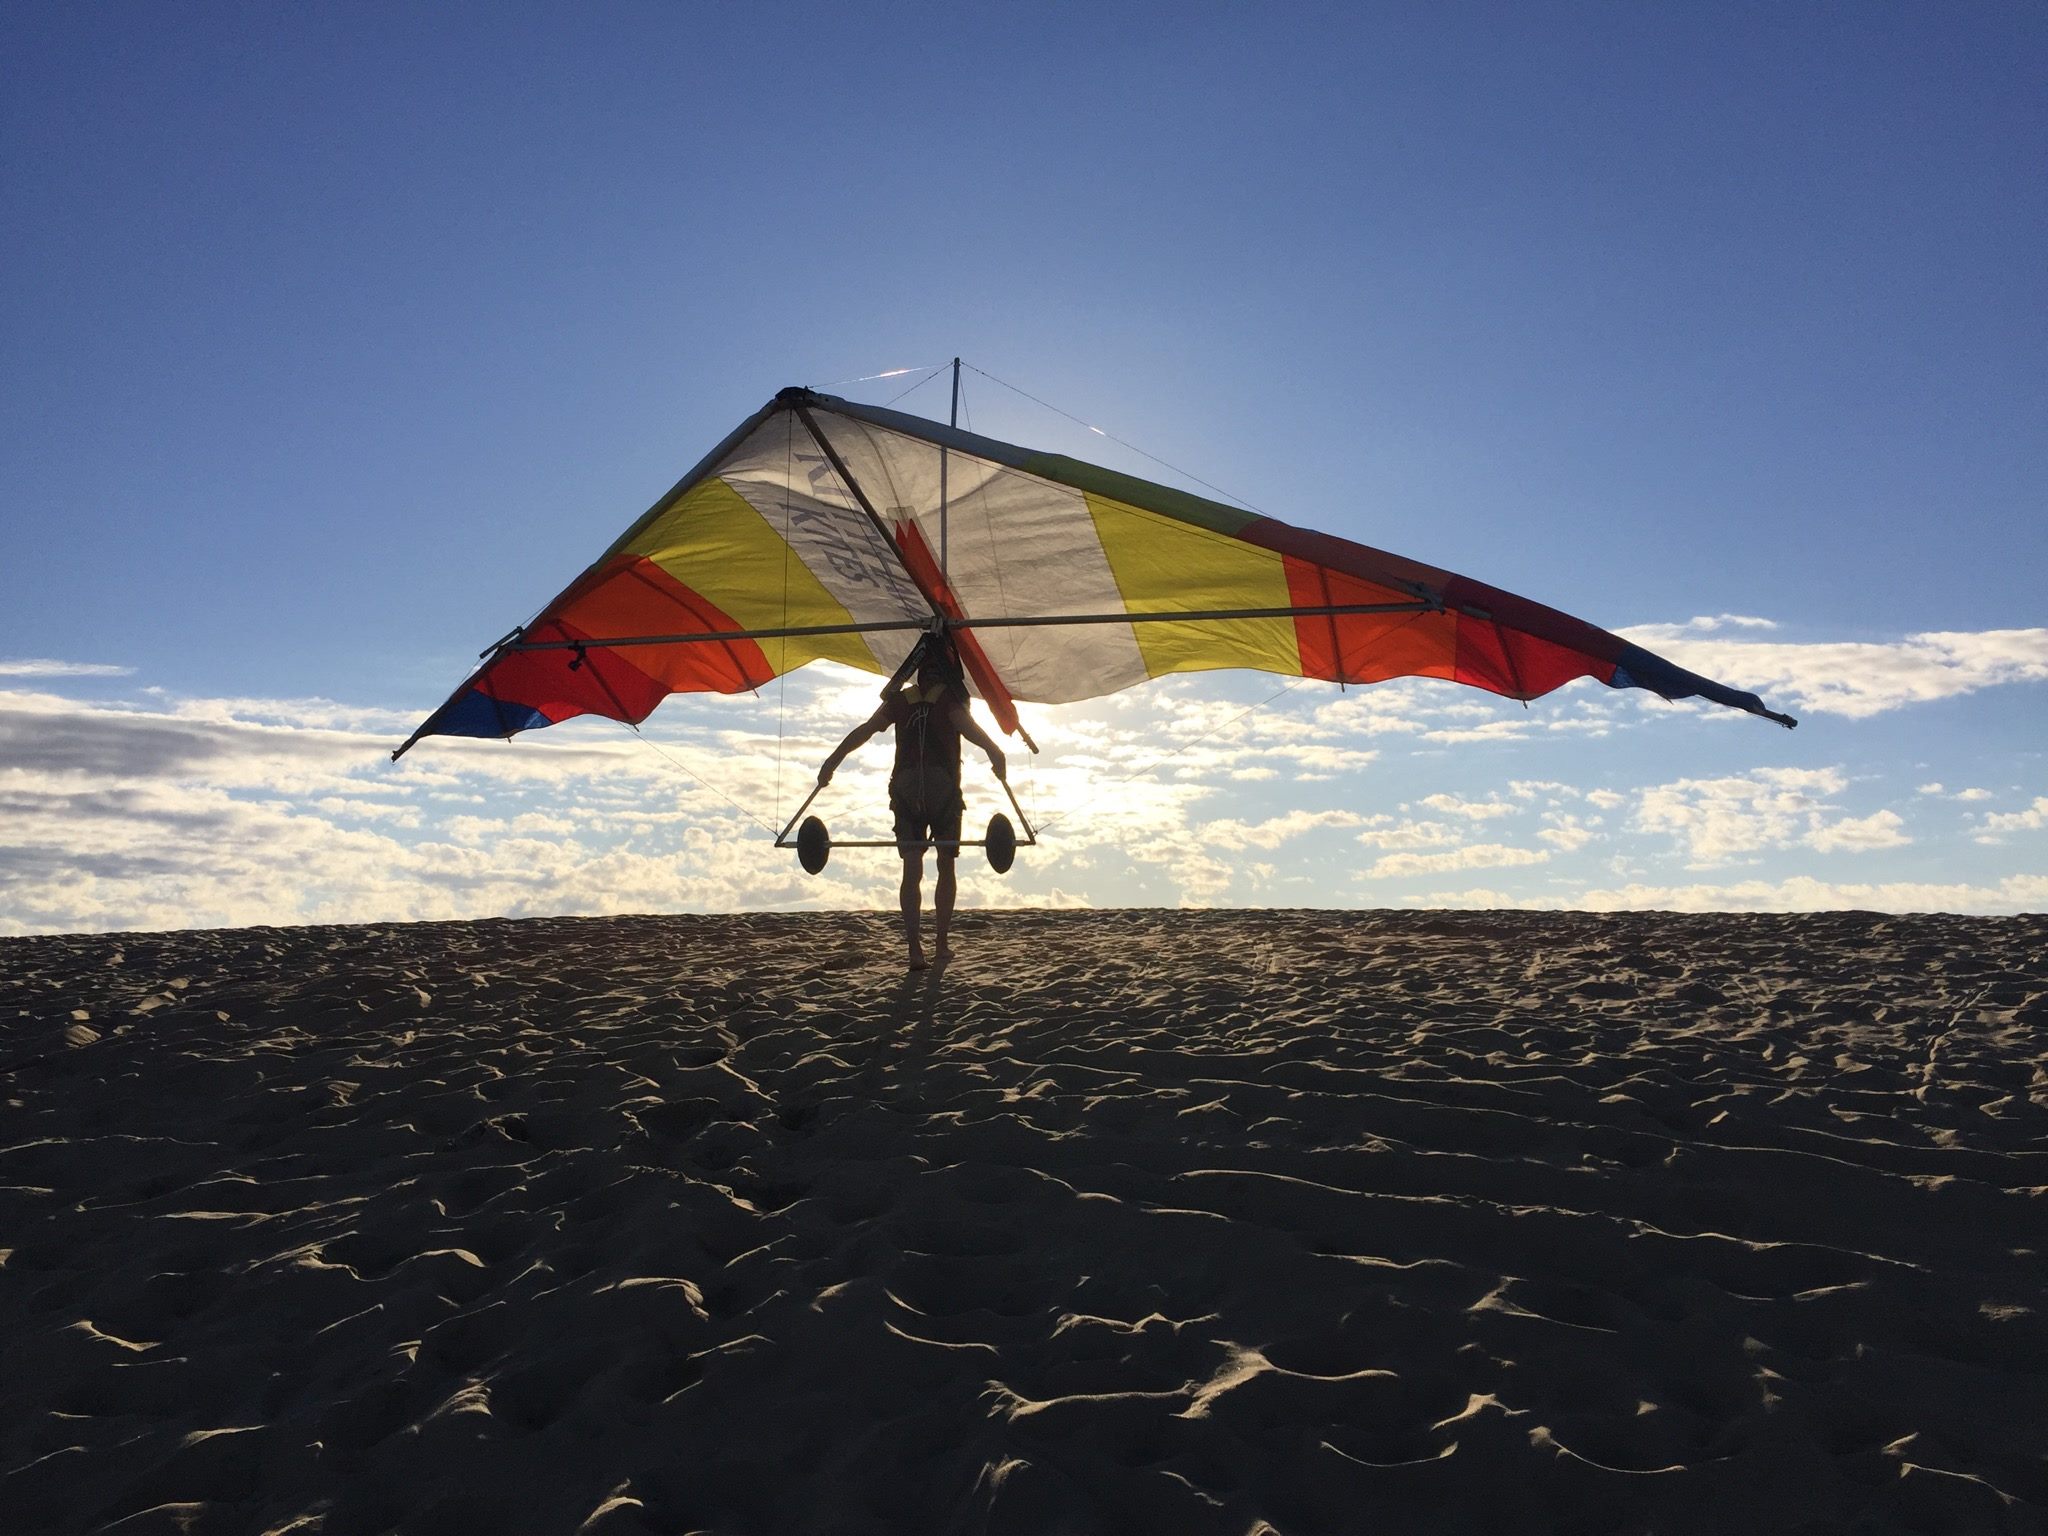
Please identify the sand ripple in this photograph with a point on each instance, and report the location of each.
(1225, 1223)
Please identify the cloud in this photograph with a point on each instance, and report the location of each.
(1275, 831)
(172, 855)
(1566, 833)
(42, 668)
(1880, 829)
(45, 733)
(1473, 856)
(1492, 730)
(1800, 893)
(2032, 819)
(1940, 790)
(161, 811)
(1720, 820)
(184, 813)
(1471, 810)
(1705, 624)
(1860, 679)
(1387, 832)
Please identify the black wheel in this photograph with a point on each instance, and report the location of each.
(1002, 843)
(813, 845)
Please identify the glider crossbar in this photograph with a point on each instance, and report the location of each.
(707, 636)
(1199, 615)
(1177, 616)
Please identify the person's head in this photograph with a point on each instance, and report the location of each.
(937, 667)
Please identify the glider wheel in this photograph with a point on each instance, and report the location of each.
(1001, 846)
(813, 845)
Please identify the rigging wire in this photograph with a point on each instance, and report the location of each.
(887, 373)
(995, 550)
(920, 384)
(782, 651)
(1134, 448)
(995, 545)
(1003, 597)
(683, 767)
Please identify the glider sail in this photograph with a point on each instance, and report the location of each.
(824, 529)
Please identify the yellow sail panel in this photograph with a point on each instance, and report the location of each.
(718, 545)
(1165, 566)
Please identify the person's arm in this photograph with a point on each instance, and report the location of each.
(974, 733)
(856, 738)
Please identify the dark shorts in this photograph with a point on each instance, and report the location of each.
(927, 810)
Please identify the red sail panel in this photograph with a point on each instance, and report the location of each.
(638, 597)
(1485, 637)
(630, 596)
(924, 570)
(1517, 663)
(1364, 647)
(551, 683)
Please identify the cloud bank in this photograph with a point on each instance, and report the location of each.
(155, 810)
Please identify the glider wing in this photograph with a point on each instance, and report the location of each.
(824, 529)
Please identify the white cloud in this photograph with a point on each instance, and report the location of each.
(197, 813)
(1801, 893)
(1880, 829)
(1859, 679)
(1705, 624)
(1771, 809)
(1939, 790)
(31, 667)
(401, 815)
(1272, 833)
(171, 811)
(476, 830)
(1473, 856)
(1566, 833)
(2032, 819)
(1471, 810)
(1492, 730)
(1719, 819)
(1389, 832)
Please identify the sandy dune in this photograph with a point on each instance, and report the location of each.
(1234, 1223)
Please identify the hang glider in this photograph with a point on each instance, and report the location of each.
(822, 529)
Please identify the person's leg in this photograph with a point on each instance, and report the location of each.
(911, 893)
(910, 844)
(945, 828)
(942, 903)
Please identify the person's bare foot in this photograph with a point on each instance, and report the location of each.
(942, 952)
(918, 961)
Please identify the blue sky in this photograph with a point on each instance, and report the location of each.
(338, 338)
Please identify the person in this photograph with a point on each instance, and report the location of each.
(929, 718)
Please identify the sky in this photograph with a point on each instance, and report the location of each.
(335, 339)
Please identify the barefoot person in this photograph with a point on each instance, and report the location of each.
(929, 718)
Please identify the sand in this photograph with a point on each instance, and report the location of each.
(1230, 1222)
